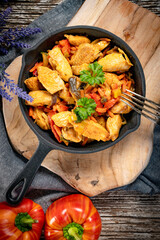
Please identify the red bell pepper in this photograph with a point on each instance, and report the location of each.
(74, 218)
(111, 103)
(23, 222)
(65, 47)
(55, 129)
(97, 99)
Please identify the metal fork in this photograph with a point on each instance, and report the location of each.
(152, 112)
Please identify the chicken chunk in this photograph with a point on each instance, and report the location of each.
(71, 135)
(62, 119)
(77, 40)
(33, 84)
(113, 125)
(116, 61)
(66, 96)
(111, 78)
(41, 119)
(101, 44)
(50, 79)
(91, 129)
(62, 65)
(78, 68)
(40, 98)
(86, 53)
(121, 107)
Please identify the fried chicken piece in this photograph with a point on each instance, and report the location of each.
(77, 40)
(50, 79)
(62, 65)
(86, 53)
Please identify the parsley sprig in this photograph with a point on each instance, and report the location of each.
(86, 106)
(94, 75)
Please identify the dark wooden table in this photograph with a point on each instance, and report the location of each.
(125, 215)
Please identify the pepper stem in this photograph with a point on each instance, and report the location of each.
(73, 231)
(23, 222)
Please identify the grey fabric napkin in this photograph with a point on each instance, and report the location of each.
(46, 185)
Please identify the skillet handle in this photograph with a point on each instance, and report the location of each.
(21, 183)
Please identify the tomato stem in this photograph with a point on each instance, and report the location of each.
(73, 231)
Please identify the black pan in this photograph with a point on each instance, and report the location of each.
(47, 142)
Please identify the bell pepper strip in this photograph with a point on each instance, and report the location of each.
(97, 99)
(54, 130)
(36, 66)
(110, 113)
(31, 113)
(24, 221)
(65, 47)
(111, 103)
(72, 217)
(101, 110)
(84, 141)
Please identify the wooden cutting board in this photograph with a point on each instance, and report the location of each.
(121, 164)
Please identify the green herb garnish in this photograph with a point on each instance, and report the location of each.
(86, 106)
(93, 76)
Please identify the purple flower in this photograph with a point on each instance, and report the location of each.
(10, 38)
(4, 15)
(11, 86)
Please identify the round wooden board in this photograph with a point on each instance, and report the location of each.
(121, 164)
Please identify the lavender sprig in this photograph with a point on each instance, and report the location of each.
(4, 16)
(11, 86)
(10, 38)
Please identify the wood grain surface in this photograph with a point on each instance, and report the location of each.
(125, 215)
(119, 165)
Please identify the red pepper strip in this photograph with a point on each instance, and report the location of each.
(31, 113)
(62, 108)
(52, 124)
(110, 113)
(36, 66)
(97, 99)
(55, 132)
(73, 216)
(65, 47)
(101, 110)
(111, 103)
(24, 221)
(84, 141)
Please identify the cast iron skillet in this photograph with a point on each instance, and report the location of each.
(47, 142)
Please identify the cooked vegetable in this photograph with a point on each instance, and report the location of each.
(74, 218)
(85, 109)
(24, 221)
(93, 76)
(73, 87)
(65, 47)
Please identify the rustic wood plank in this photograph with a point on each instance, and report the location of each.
(27, 11)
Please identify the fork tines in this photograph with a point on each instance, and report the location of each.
(137, 103)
